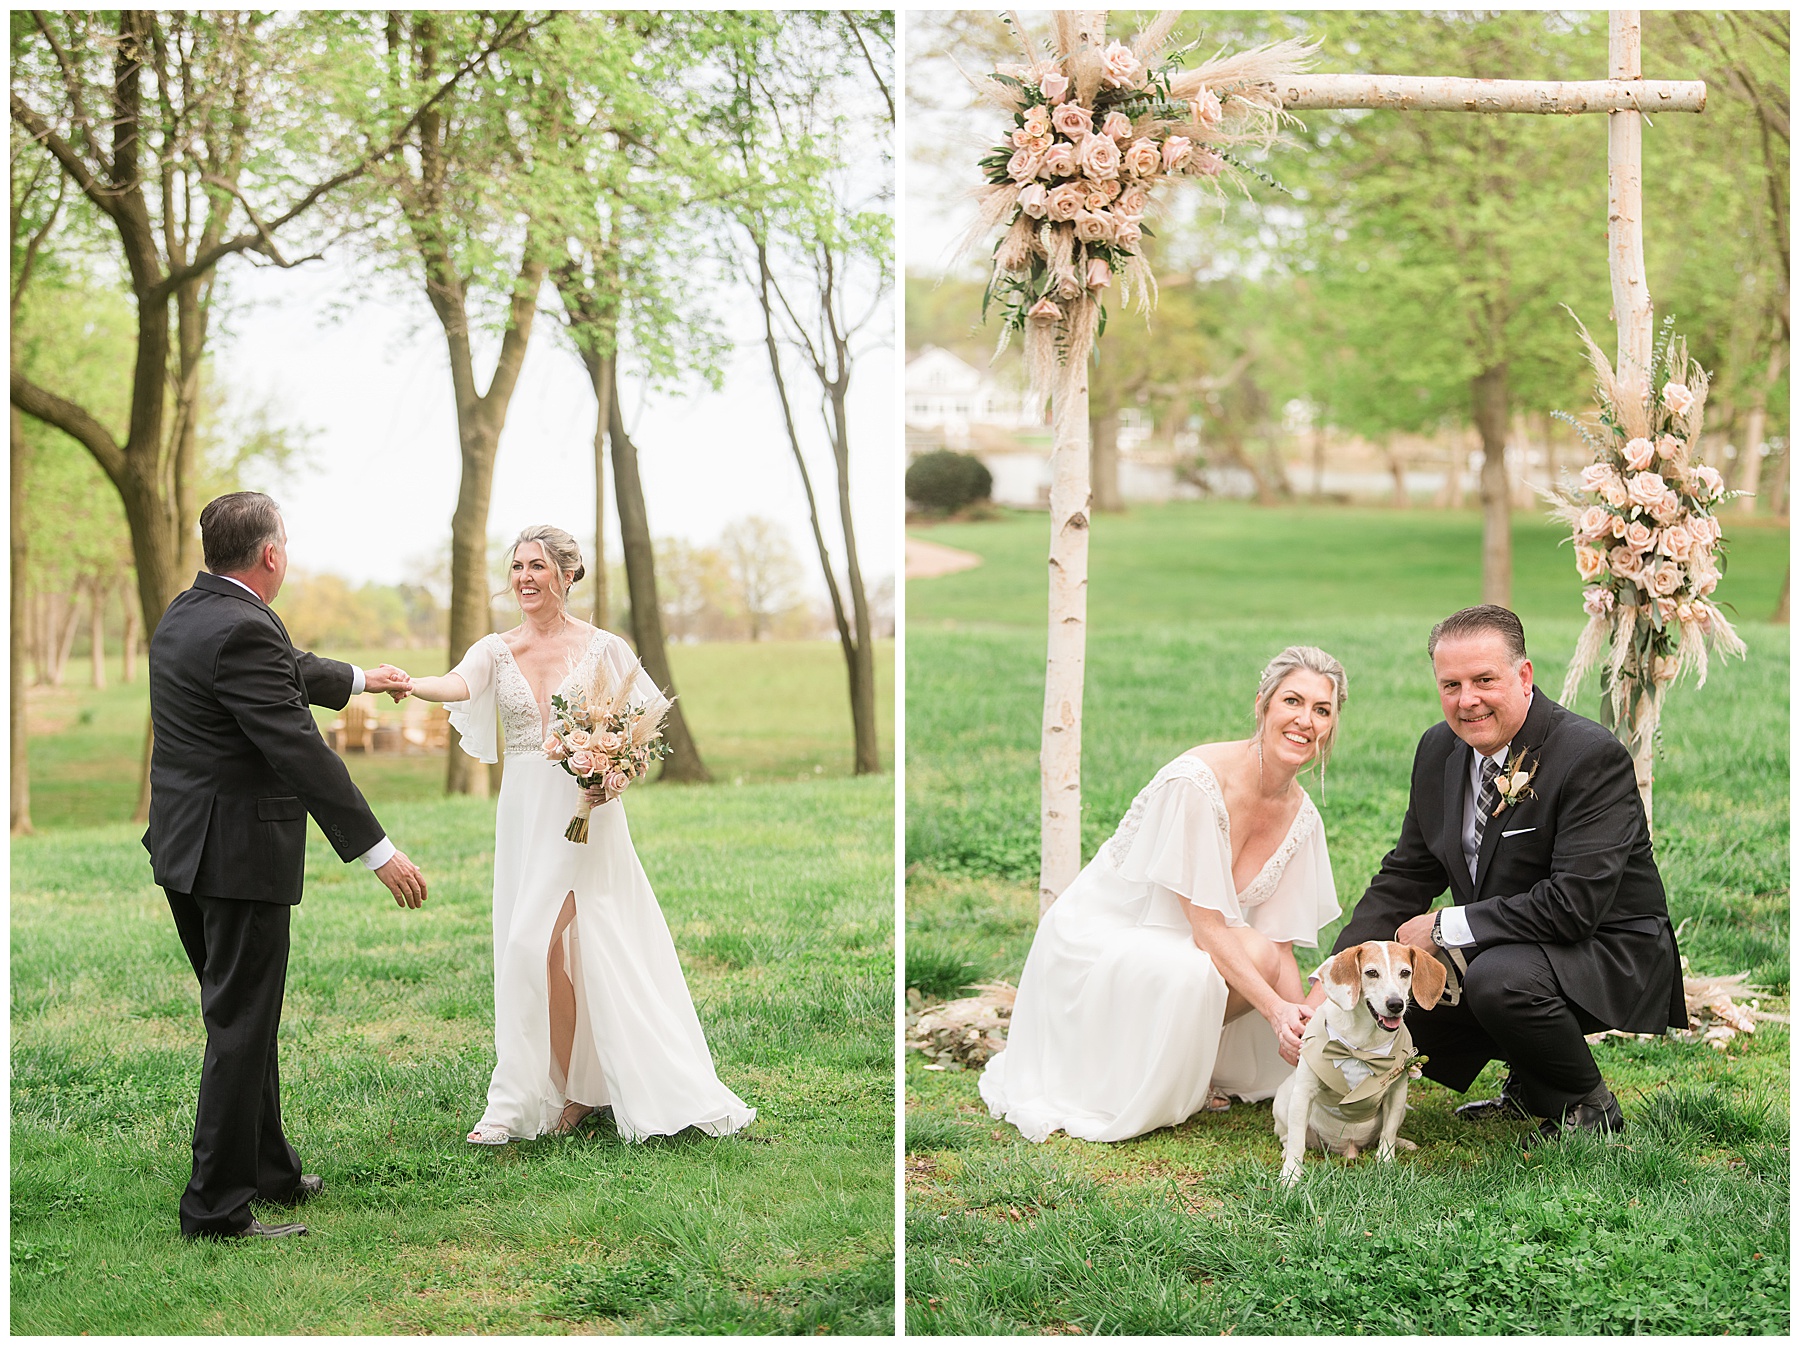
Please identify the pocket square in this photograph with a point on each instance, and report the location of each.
(1517, 831)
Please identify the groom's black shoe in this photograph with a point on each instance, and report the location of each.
(309, 1186)
(1604, 1117)
(1507, 1105)
(256, 1229)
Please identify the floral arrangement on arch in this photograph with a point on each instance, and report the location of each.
(1646, 539)
(1096, 130)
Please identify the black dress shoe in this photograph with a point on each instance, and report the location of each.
(1507, 1105)
(256, 1229)
(1605, 1118)
(309, 1186)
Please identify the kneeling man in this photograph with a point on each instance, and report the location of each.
(1559, 926)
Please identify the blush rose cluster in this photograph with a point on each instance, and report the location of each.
(1096, 129)
(604, 739)
(1643, 523)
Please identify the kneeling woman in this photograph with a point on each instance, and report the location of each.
(1134, 1010)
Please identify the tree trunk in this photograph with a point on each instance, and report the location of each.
(858, 654)
(1753, 437)
(129, 655)
(1238, 456)
(1778, 488)
(1397, 466)
(1548, 431)
(1318, 456)
(1104, 432)
(1059, 772)
(97, 595)
(683, 762)
(601, 376)
(861, 655)
(19, 637)
(1490, 408)
(479, 419)
(65, 622)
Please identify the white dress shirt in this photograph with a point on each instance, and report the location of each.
(1454, 922)
(382, 851)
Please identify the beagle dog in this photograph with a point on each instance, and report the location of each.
(1349, 1089)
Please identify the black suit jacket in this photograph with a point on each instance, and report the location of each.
(238, 761)
(1569, 869)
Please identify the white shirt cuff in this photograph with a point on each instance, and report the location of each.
(1453, 925)
(379, 854)
(357, 681)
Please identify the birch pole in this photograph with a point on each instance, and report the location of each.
(1059, 761)
(1633, 313)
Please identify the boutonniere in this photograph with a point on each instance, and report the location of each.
(1513, 784)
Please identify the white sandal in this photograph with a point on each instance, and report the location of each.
(489, 1133)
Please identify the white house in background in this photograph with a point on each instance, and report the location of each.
(952, 404)
(946, 397)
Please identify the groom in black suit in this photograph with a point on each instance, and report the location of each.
(236, 766)
(1558, 923)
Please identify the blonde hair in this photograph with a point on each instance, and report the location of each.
(560, 549)
(1296, 659)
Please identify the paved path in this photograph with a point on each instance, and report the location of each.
(927, 560)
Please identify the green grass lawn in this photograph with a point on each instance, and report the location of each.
(1683, 1228)
(85, 744)
(779, 894)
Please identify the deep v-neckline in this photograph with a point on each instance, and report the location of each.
(543, 703)
(1225, 827)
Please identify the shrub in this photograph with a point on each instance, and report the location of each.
(944, 482)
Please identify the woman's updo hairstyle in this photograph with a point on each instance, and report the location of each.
(560, 548)
(1311, 659)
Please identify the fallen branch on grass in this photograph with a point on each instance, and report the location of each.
(960, 1034)
(1713, 1016)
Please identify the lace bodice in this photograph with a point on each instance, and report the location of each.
(1190, 768)
(522, 717)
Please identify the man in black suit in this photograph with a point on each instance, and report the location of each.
(237, 765)
(1559, 926)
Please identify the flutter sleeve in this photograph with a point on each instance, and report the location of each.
(476, 720)
(618, 662)
(1304, 900)
(1179, 844)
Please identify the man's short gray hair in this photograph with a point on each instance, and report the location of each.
(235, 528)
(1503, 622)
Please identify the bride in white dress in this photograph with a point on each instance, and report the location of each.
(1134, 1009)
(590, 1007)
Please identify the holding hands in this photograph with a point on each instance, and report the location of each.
(396, 682)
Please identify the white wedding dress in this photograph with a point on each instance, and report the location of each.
(1119, 1026)
(638, 1044)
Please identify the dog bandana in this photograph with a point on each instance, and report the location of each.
(1323, 1053)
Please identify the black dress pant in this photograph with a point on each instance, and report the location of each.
(239, 951)
(1512, 1010)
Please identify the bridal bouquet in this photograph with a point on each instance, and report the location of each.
(603, 738)
(1096, 130)
(1646, 539)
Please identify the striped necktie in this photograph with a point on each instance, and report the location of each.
(1484, 803)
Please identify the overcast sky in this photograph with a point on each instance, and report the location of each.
(374, 386)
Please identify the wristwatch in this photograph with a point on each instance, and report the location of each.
(1437, 929)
